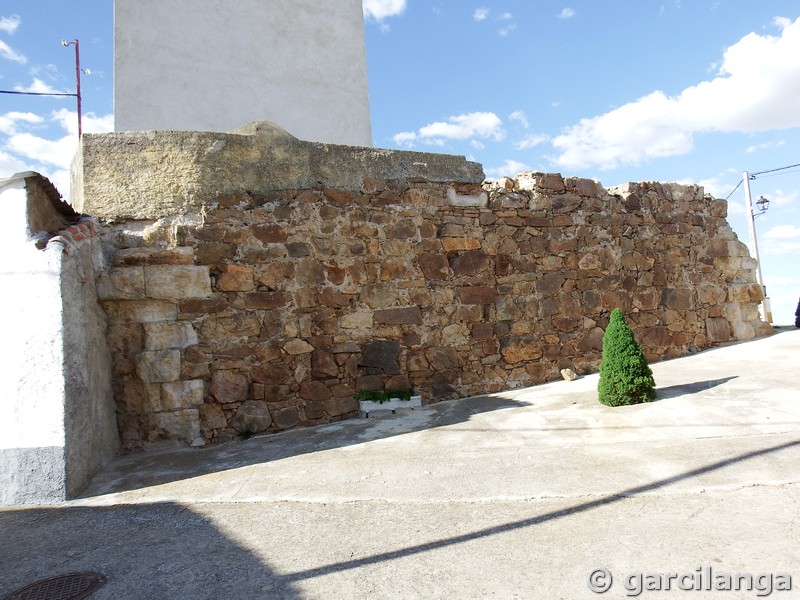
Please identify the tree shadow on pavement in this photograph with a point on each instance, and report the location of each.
(683, 389)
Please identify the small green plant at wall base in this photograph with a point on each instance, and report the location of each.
(625, 377)
(381, 397)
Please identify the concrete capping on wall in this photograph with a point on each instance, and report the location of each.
(57, 414)
(155, 174)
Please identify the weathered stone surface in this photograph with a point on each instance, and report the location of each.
(286, 417)
(380, 356)
(159, 366)
(235, 277)
(519, 349)
(228, 387)
(409, 315)
(125, 283)
(379, 295)
(141, 311)
(270, 233)
(177, 282)
(334, 298)
(323, 364)
(314, 390)
(181, 394)
(471, 262)
(456, 244)
(212, 416)
(336, 407)
(442, 358)
(434, 266)
(569, 374)
(298, 346)
(358, 320)
(165, 335)
(322, 291)
(181, 425)
(718, 330)
(252, 416)
(264, 300)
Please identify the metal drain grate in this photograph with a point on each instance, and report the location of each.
(72, 586)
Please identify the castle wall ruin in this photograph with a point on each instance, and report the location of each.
(256, 282)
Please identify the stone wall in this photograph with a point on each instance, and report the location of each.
(264, 309)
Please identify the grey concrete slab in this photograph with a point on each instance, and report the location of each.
(515, 495)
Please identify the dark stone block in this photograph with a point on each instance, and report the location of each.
(380, 356)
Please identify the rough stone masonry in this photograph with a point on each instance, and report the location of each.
(255, 282)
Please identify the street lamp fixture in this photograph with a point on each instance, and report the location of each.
(78, 72)
(762, 204)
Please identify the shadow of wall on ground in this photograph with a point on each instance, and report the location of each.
(146, 551)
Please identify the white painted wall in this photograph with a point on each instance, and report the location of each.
(215, 65)
(32, 437)
(57, 413)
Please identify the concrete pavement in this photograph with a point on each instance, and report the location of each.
(516, 495)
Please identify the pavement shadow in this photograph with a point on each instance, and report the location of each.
(161, 550)
(144, 469)
(683, 389)
(533, 521)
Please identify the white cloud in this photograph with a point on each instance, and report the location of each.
(9, 53)
(510, 168)
(40, 87)
(10, 24)
(756, 90)
(24, 150)
(480, 14)
(530, 141)
(9, 165)
(504, 31)
(462, 127)
(8, 121)
(764, 146)
(383, 9)
(566, 13)
(519, 116)
(405, 138)
(483, 125)
(783, 232)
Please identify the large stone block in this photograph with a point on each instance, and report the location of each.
(229, 386)
(165, 335)
(252, 417)
(177, 282)
(123, 283)
(718, 330)
(380, 356)
(519, 349)
(181, 425)
(181, 394)
(235, 277)
(158, 366)
(409, 315)
(141, 311)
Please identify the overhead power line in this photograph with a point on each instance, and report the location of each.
(35, 93)
(753, 175)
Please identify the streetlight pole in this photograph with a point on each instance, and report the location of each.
(766, 310)
(65, 43)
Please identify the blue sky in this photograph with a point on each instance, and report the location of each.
(612, 90)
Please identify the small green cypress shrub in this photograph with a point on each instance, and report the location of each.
(625, 377)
